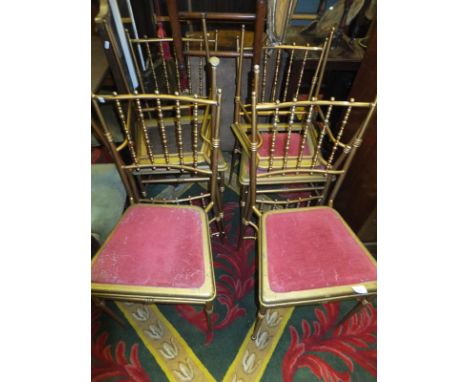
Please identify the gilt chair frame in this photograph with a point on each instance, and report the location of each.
(333, 170)
(123, 84)
(146, 164)
(338, 169)
(243, 111)
(204, 71)
(159, 164)
(206, 294)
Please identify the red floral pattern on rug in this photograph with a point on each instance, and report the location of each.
(100, 155)
(351, 342)
(236, 280)
(105, 365)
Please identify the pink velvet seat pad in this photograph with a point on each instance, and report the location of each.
(280, 144)
(312, 249)
(154, 246)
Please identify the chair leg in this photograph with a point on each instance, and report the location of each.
(234, 154)
(220, 225)
(354, 310)
(246, 217)
(242, 232)
(102, 304)
(209, 313)
(141, 186)
(242, 200)
(258, 323)
(219, 215)
(221, 182)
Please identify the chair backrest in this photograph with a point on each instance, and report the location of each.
(158, 69)
(148, 122)
(277, 63)
(332, 156)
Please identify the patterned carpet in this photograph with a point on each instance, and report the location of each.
(171, 342)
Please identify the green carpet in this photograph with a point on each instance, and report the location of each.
(170, 342)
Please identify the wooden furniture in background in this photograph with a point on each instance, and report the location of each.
(358, 197)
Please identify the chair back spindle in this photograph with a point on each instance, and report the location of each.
(279, 62)
(161, 70)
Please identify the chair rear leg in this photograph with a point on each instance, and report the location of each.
(102, 304)
(209, 312)
(234, 154)
(141, 186)
(354, 310)
(221, 189)
(258, 323)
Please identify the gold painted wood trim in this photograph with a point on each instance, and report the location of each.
(275, 178)
(125, 97)
(272, 105)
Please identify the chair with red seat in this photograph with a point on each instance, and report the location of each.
(160, 250)
(278, 63)
(308, 254)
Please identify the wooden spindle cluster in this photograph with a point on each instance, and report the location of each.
(189, 67)
(264, 74)
(162, 129)
(177, 70)
(322, 134)
(151, 64)
(200, 71)
(288, 74)
(288, 137)
(142, 124)
(128, 136)
(344, 122)
(179, 139)
(164, 65)
(195, 133)
(273, 137)
(301, 73)
(277, 67)
(305, 130)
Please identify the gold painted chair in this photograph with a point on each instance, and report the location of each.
(157, 69)
(277, 59)
(309, 255)
(160, 250)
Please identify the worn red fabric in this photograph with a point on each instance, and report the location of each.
(311, 249)
(280, 144)
(154, 246)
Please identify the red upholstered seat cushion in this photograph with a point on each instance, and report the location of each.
(313, 248)
(280, 144)
(157, 246)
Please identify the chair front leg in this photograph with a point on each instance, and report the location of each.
(141, 186)
(220, 195)
(258, 323)
(209, 313)
(219, 215)
(235, 152)
(242, 195)
(102, 304)
(354, 310)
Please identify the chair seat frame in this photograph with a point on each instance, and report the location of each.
(150, 294)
